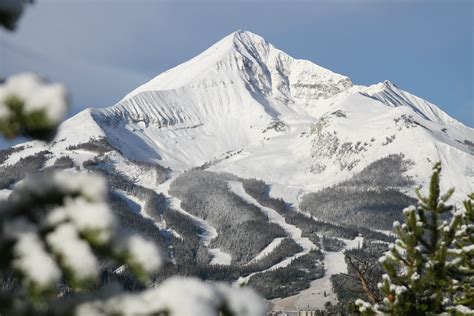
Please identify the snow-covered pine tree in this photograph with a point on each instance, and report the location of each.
(461, 260)
(429, 269)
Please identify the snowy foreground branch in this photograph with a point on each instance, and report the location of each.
(31, 107)
(59, 227)
(181, 296)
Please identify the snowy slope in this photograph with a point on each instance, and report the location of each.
(247, 108)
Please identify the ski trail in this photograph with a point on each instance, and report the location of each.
(320, 290)
(138, 207)
(268, 249)
(274, 217)
(208, 232)
(219, 257)
(4, 194)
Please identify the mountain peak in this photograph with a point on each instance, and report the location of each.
(245, 43)
(381, 86)
(248, 58)
(249, 38)
(388, 83)
(242, 36)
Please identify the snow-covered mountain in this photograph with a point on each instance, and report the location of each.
(247, 107)
(250, 110)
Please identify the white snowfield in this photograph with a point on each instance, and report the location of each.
(4, 194)
(220, 257)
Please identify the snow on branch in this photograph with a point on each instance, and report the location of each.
(32, 107)
(61, 226)
(180, 296)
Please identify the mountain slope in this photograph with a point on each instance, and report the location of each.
(245, 109)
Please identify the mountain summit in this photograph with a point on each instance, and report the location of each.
(247, 57)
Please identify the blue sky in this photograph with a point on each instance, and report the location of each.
(103, 49)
